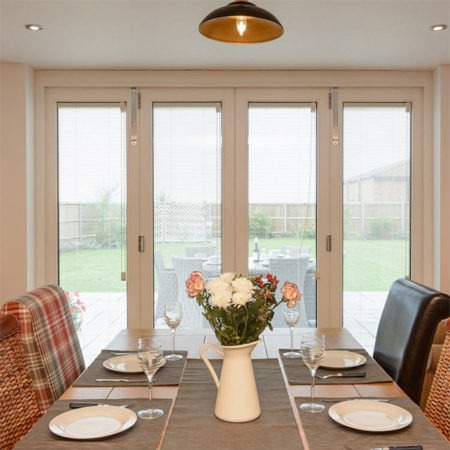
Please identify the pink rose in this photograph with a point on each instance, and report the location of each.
(195, 284)
(291, 294)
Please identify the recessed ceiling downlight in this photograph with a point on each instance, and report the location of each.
(33, 27)
(438, 27)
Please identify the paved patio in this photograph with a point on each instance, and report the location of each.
(362, 312)
(106, 315)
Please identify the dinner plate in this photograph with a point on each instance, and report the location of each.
(370, 415)
(126, 364)
(92, 422)
(342, 359)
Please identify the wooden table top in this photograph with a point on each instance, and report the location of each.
(191, 341)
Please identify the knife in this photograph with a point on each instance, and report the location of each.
(123, 353)
(75, 405)
(342, 375)
(338, 400)
(123, 380)
(400, 447)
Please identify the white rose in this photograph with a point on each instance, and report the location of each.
(227, 277)
(221, 298)
(242, 284)
(241, 297)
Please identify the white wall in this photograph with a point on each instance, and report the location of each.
(16, 180)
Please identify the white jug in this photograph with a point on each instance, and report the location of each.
(237, 396)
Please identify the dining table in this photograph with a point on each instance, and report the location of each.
(186, 425)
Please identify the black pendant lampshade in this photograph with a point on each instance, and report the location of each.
(241, 22)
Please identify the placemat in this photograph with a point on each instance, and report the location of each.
(298, 373)
(168, 375)
(144, 434)
(193, 424)
(325, 434)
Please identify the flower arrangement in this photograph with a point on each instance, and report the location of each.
(238, 308)
(77, 309)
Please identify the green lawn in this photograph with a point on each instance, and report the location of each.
(368, 265)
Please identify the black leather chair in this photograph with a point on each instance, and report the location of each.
(406, 330)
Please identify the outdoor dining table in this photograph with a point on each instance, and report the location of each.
(308, 426)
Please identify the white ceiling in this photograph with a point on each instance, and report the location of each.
(162, 34)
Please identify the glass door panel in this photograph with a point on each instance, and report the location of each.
(282, 198)
(187, 161)
(376, 216)
(92, 220)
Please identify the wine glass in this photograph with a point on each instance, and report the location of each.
(150, 358)
(291, 317)
(173, 316)
(313, 351)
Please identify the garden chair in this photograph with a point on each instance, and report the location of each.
(52, 349)
(192, 252)
(294, 271)
(192, 312)
(295, 251)
(19, 408)
(309, 296)
(167, 284)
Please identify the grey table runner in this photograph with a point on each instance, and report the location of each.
(145, 434)
(325, 434)
(298, 373)
(168, 375)
(193, 425)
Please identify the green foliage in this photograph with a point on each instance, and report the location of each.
(258, 225)
(109, 230)
(381, 228)
(308, 231)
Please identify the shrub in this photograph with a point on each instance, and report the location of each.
(258, 225)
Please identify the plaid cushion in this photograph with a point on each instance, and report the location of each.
(52, 350)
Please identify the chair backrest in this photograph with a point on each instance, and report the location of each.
(159, 262)
(196, 250)
(294, 271)
(19, 409)
(52, 349)
(296, 251)
(438, 404)
(405, 333)
(192, 312)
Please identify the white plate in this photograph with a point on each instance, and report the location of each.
(92, 422)
(342, 359)
(370, 415)
(125, 364)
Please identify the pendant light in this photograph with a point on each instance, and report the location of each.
(241, 22)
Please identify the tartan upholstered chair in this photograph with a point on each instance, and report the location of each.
(52, 350)
(19, 409)
(438, 404)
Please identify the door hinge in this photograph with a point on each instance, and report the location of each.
(329, 243)
(330, 100)
(139, 100)
(123, 276)
(141, 244)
